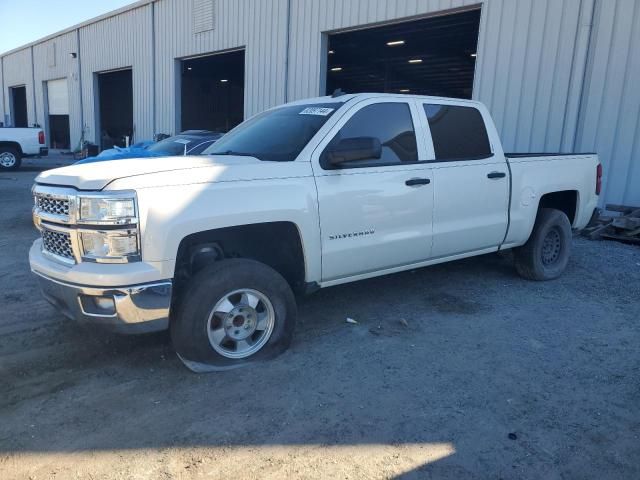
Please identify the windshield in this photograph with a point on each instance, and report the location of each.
(172, 145)
(277, 135)
(198, 148)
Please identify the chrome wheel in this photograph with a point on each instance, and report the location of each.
(241, 323)
(7, 159)
(551, 247)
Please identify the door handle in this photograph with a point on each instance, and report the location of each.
(496, 175)
(412, 182)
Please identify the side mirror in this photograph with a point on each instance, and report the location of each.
(350, 149)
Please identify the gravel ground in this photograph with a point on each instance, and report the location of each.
(456, 371)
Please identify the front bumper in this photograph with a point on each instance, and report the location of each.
(128, 310)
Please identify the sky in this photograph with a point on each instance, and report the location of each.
(24, 21)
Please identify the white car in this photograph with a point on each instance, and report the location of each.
(307, 195)
(17, 143)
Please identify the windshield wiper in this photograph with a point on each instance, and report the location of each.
(231, 152)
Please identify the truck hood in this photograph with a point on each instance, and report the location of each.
(96, 176)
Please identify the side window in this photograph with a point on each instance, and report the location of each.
(458, 133)
(390, 124)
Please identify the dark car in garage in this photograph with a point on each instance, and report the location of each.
(189, 142)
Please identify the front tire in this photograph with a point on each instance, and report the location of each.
(546, 253)
(10, 158)
(232, 313)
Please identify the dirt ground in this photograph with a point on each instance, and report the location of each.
(457, 371)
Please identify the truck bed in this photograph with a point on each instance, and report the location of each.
(545, 154)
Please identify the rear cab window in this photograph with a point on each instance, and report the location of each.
(458, 132)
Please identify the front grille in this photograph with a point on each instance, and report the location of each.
(57, 243)
(53, 205)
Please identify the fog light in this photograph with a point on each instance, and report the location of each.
(104, 303)
(98, 306)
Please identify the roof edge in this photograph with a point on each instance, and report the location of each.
(99, 18)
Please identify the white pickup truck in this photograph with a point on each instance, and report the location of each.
(307, 195)
(17, 143)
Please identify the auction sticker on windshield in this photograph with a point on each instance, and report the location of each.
(317, 111)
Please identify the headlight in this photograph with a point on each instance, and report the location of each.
(110, 245)
(116, 208)
(109, 208)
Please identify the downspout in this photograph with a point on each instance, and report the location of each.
(153, 69)
(286, 55)
(81, 91)
(4, 111)
(33, 88)
(578, 78)
(588, 41)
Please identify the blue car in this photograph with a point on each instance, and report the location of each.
(189, 142)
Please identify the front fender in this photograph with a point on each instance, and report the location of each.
(169, 214)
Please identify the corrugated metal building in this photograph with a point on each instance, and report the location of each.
(557, 75)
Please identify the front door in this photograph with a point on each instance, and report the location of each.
(375, 213)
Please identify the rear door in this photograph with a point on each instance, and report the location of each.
(375, 214)
(470, 179)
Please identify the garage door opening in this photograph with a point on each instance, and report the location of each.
(58, 113)
(432, 56)
(212, 96)
(19, 107)
(115, 92)
(59, 135)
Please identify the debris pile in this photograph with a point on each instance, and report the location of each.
(624, 227)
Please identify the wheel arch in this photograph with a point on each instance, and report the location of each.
(524, 216)
(16, 145)
(278, 244)
(566, 201)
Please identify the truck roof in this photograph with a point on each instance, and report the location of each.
(364, 96)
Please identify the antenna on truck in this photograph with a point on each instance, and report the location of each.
(337, 93)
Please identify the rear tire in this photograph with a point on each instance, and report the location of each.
(232, 313)
(10, 158)
(546, 253)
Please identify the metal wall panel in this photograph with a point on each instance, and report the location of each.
(63, 67)
(525, 65)
(17, 71)
(258, 26)
(121, 41)
(610, 116)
